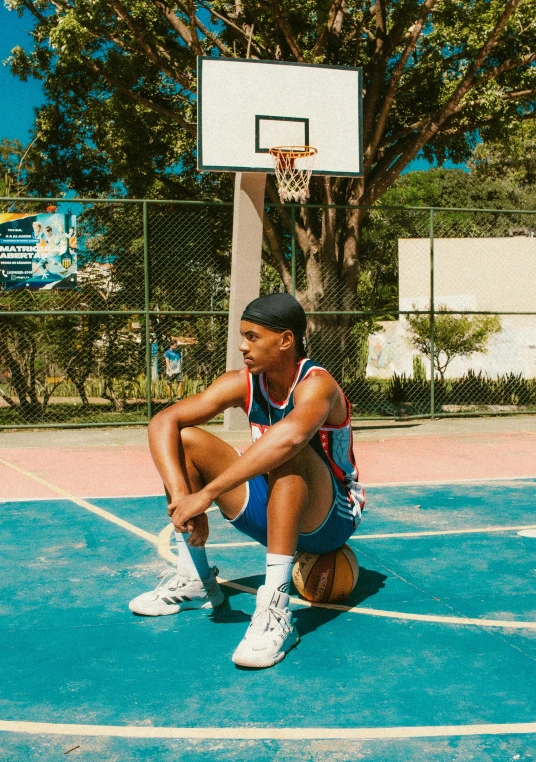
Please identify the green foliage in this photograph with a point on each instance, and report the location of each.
(419, 371)
(474, 392)
(513, 160)
(454, 335)
(120, 82)
(120, 113)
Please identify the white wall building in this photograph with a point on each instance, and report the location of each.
(481, 274)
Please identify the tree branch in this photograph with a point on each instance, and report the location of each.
(196, 45)
(208, 34)
(33, 10)
(274, 245)
(287, 31)
(322, 41)
(386, 158)
(507, 66)
(517, 95)
(381, 26)
(94, 67)
(377, 68)
(8, 399)
(177, 23)
(154, 57)
(243, 34)
(434, 123)
(395, 78)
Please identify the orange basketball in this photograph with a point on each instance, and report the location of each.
(328, 577)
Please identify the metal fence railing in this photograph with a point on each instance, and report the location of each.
(417, 312)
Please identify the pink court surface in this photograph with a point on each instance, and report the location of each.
(116, 461)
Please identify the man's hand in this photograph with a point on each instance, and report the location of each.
(186, 511)
(198, 528)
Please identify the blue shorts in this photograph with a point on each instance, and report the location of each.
(337, 527)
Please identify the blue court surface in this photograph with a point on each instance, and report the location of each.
(432, 658)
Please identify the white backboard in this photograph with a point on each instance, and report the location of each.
(246, 107)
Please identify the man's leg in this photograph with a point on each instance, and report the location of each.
(201, 457)
(300, 498)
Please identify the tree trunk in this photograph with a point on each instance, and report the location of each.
(30, 408)
(81, 389)
(110, 395)
(331, 278)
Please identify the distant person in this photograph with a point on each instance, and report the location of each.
(50, 240)
(173, 358)
(62, 239)
(72, 239)
(38, 232)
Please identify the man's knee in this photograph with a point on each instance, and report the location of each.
(190, 436)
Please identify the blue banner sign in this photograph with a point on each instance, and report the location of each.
(37, 251)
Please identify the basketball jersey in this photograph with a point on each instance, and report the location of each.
(334, 444)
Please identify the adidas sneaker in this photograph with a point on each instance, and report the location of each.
(271, 633)
(176, 592)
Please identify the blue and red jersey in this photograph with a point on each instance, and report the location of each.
(334, 444)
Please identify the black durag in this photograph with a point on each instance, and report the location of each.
(278, 311)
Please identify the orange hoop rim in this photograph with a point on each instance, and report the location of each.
(293, 152)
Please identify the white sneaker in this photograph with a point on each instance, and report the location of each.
(271, 633)
(177, 592)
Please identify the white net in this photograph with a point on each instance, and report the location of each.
(293, 167)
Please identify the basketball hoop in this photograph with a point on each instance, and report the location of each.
(293, 167)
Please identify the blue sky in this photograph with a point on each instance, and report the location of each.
(18, 98)
(21, 98)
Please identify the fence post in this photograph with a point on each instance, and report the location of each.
(293, 244)
(432, 318)
(148, 356)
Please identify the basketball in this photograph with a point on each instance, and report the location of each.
(328, 577)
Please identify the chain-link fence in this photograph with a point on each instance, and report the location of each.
(110, 310)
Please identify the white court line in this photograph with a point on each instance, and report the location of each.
(165, 552)
(435, 533)
(84, 503)
(375, 485)
(271, 733)
(86, 497)
(162, 543)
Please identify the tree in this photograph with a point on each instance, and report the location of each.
(454, 335)
(11, 152)
(119, 76)
(514, 160)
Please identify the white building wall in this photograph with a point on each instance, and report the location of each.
(481, 274)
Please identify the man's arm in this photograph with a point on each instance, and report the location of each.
(164, 429)
(313, 400)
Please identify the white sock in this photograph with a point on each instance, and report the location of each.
(278, 572)
(193, 559)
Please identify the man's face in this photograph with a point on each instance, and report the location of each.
(261, 347)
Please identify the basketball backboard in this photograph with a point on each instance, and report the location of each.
(246, 107)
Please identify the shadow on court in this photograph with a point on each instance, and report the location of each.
(307, 619)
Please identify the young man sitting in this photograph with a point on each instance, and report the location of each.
(294, 489)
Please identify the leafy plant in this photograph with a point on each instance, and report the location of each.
(454, 335)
